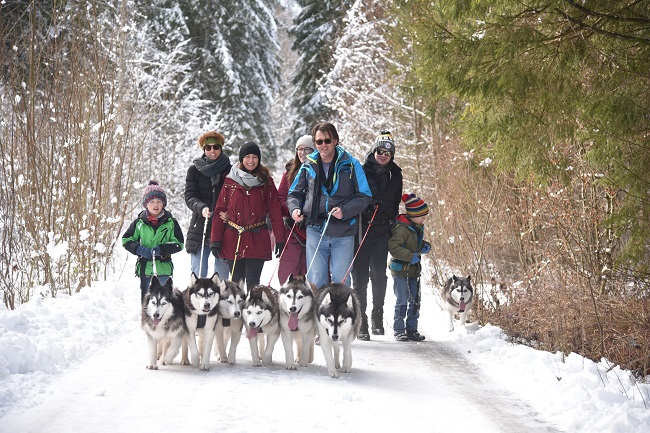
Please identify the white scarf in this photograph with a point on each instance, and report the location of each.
(244, 178)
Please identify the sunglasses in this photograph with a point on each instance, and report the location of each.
(209, 147)
(383, 152)
(326, 141)
(304, 150)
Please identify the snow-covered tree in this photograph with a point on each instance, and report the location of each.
(362, 89)
(316, 30)
(237, 67)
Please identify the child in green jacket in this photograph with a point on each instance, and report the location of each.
(154, 236)
(405, 246)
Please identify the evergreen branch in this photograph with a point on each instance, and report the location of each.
(590, 12)
(583, 24)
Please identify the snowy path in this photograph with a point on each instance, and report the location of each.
(394, 386)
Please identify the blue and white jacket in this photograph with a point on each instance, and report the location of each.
(350, 192)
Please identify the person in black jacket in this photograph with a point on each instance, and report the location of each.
(202, 187)
(385, 181)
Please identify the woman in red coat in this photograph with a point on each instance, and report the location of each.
(294, 259)
(247, 197)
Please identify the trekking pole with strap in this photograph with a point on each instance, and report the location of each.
(361, 243)
(205, 229)
(329, 215)
(153, 264)
(282, 253)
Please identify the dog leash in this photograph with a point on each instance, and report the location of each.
(205, 229)
(240, 229)
(282, 253)
(329, 215)
(362, 241)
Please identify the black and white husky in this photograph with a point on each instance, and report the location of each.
(201, 305)
(163, 321)
(230, 322)
(458, 296)
(339, 319)
(261, 317)
(298, 320)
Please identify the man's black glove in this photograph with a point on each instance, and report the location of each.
(279, 246)
(215, 247)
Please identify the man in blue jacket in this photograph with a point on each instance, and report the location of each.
(330, 190)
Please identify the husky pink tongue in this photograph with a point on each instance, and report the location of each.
(293, 321)
(252, 333)
(462, 306)
(156, 322)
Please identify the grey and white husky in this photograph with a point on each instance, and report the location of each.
(201, 305)
(298, 320)
(230, 322)
(458, 296)
(339, 320)
(163, 321)
(261, 317)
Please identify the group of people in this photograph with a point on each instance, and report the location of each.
(328, 208)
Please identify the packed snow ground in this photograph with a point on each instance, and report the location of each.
(76, 363)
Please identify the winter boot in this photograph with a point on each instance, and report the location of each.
(377, 321)
(401, 336)
(363, 332)
(415, 335)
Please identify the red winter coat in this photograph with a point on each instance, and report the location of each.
(246, 207)
(294, 259)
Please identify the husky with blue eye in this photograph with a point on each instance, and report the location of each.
(339, 321)
(163, 321)
(201, 303)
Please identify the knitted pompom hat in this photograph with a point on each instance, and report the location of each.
(151, 191)
(415, 206)
(384, 141)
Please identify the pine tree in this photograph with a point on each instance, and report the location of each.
(317, 29)
(363, 87)
(549, 84)
(237, 67)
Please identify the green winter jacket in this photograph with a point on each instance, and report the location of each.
(167, 235)
(407, 238)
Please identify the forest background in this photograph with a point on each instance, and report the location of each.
(525, 125)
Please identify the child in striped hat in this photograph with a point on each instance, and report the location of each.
(405, 245)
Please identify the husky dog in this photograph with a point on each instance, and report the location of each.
(298, 320)
(458, 296)
(230, 322)
(261, 317)
(163, 321)
(339, 319)
(201, 302)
